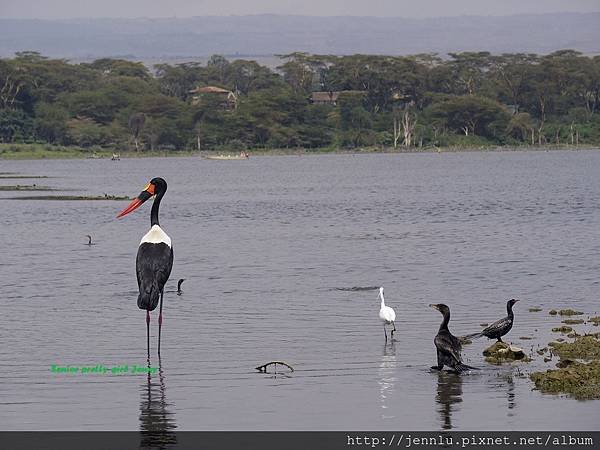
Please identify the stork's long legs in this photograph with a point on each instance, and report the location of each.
(160, 320)
(148, 331)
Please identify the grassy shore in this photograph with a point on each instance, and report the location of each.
(46, 151)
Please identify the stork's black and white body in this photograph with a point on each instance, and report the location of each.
(154, 257)
(500, 327)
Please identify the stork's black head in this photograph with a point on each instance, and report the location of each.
(157, 186)
(160, 185)
(444, 309)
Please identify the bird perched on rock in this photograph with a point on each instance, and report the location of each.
(498, 328)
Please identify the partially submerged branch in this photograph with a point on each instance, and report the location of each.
(263, 368)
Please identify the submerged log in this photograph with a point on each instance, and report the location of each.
(263, 368)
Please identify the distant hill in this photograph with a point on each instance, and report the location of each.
(243, 36)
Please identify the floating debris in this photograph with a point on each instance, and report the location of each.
(483, 324)
(526, 338)
(464, 340)
(263, 368)
(358, 288)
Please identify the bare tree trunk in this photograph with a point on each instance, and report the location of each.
(408, 127)
(198, 141)
(571, 134)
(396, 130)
(137, 146)
(542, 118)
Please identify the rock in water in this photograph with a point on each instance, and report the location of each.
(500, 352)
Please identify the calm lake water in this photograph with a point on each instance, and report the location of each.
(270, 249)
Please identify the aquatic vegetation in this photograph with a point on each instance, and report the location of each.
(564, 329)
(71, 197)
(595, 320)
(577, 379)
(569, 312)
(583, 347)
(573, 321)
(25, 187)
(6, 176)
(534, 309)
(553, 312)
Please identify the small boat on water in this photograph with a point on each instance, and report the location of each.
(242, 155)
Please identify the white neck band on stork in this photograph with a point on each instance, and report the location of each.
(156, 236)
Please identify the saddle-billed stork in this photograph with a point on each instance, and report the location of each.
(154, 257)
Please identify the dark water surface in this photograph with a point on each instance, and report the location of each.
(275, 252)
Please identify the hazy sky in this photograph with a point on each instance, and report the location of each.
(53, 9)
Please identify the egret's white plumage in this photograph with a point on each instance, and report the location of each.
(386, 314)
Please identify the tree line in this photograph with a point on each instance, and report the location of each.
(469, 98)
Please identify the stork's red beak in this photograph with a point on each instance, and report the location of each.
(147, 193)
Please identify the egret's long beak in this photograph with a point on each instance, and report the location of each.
(147, 193)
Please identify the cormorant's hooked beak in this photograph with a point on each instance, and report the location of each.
(434, 307)
(147, 193)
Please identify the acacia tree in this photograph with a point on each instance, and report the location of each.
(469, 114)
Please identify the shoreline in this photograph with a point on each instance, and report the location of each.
(21, 152)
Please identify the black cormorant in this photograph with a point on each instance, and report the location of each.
(500, 327)
(448, 346)
(154, 259)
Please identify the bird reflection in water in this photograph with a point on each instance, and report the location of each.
(449, 393)
(387, 377)
(157, 423)
(506, 382)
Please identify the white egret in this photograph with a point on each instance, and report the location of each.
(387, 315)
